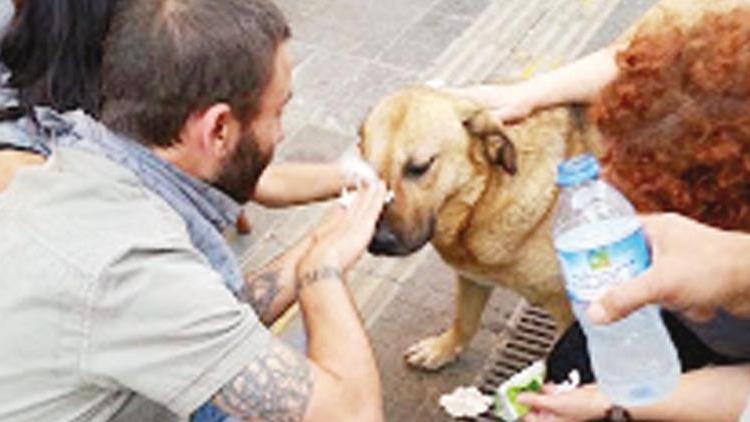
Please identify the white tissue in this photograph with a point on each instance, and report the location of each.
(356, 170)
(573, 381)
(436, 83)
(465, 402)
(347, 196)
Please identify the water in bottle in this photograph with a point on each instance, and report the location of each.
(600, 243)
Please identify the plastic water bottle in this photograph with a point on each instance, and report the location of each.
(600, 243)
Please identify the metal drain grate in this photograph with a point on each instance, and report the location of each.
(531, 334)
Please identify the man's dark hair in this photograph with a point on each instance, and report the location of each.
(165, 60)
(53, 49)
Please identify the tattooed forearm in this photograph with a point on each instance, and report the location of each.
(275, 387)
(309, 278)
(261, 291)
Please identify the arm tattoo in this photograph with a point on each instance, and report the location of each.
(261, 292)
(275, 387)
(321, 274)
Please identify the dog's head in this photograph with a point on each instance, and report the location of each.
(431, 148)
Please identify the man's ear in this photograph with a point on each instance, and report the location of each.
(217, 130)
(498, 148)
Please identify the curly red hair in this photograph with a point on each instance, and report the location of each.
(676, 121)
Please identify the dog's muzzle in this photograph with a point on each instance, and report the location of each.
(386, 242)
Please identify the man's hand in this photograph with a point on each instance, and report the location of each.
(325, 253)
(345, 232)
(695, 270)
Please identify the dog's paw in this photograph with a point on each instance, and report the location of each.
(433, 353)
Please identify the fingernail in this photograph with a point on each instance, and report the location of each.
(597, 314)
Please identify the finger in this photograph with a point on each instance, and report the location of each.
(533, 400)
(550, 388)
(653, 226)
(376, 203)
(358, 224)
(540, 404)
(650, 222)
(369, 202)
(330, 221)
(564, 406)
(354, 206)
(507, 114)
(542, 416)
(372, 211)
(624, 298)
(532, 417)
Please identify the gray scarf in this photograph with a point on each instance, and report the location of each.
(207, 212)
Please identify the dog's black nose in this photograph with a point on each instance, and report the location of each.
(384, 242)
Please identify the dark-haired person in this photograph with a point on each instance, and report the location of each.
(672, 106)
(52, 53)
(112, 263)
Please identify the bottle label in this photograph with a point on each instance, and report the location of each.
(589, 273)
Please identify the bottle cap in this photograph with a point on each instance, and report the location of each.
(577, 170)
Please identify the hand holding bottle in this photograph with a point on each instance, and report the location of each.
(600, 246)
(696, 269)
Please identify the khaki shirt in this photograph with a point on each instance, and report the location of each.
(103, 297)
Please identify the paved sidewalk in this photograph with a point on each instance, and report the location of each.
(349, 54)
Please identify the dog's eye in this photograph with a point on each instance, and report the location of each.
(415, 171)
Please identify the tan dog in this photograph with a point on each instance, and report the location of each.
(483, 194)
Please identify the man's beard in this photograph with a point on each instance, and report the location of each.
(242, 170)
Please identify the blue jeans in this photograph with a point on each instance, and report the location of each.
(210, 413)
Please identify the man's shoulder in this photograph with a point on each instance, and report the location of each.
(90, 209)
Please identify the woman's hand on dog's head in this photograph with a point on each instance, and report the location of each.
(506, 103)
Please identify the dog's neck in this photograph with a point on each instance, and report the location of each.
(507, 209)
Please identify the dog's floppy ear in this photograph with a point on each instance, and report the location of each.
(499, 149)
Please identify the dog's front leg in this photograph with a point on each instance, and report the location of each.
(434, 352)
